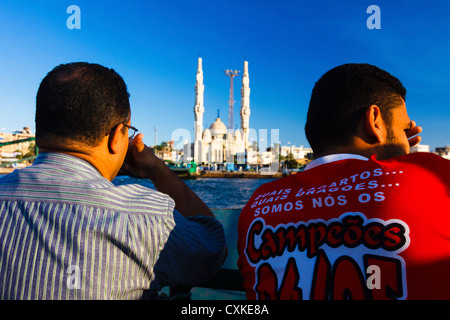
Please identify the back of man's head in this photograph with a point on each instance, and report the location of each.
(341, 97)
(80, 102)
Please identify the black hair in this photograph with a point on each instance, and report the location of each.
(80, 101)
(341, 97)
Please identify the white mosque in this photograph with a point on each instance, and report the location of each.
(219, 144)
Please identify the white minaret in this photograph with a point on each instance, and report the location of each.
(198, 112)
(245, 105)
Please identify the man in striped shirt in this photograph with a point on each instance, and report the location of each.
(66, 232)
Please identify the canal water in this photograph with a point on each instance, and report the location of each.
(225, 197)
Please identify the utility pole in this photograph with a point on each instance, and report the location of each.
(231, 74)
(156, 133)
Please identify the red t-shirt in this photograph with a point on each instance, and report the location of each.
(350, 229)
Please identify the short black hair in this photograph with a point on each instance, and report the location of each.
(82, 102)
(340, 98)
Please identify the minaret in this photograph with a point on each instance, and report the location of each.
(198, 112)
(245, 105)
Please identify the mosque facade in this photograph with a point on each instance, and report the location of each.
(219, 144)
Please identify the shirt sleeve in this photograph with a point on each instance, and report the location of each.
(194, 251)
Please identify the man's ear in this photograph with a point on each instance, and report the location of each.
(115, 139)
(374, 124)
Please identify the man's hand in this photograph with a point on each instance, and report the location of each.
(140, 160)
(413, 134)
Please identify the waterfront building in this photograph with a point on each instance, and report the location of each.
(420, 148)
(296, 152)
(219, 144)
(165, 151)
(10, 152)
(444, 152)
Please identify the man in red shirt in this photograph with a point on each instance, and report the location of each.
(366, 219)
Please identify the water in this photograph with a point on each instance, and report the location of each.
(217, 193)
(225, 197)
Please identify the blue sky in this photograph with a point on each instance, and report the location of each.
(289, 44)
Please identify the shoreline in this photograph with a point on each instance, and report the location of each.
(217, 174)
(231, 175)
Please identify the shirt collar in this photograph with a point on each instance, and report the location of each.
(332, 158)
(66, 161)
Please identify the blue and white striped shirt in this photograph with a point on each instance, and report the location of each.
(68, 233)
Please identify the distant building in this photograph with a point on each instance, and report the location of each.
(444, 152)
(218, 144)
(440, 151)
(420, 148)
(11, 151)
(296, 152)
(166, 152)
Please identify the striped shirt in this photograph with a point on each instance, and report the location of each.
(68, 233)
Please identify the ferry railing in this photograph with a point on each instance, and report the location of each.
(7, 143)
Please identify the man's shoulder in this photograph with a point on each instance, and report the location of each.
(425, 158)
(419, 161)
(138, 197)
(138, 191)
(93, 191)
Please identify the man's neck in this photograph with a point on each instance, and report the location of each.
(92, 155)
(332, 158)
(357, 146)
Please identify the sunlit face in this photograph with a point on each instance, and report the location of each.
(396, 143)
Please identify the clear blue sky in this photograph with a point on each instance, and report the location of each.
(289, 44)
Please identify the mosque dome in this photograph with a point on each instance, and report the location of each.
(218, 128)
(206, 137)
